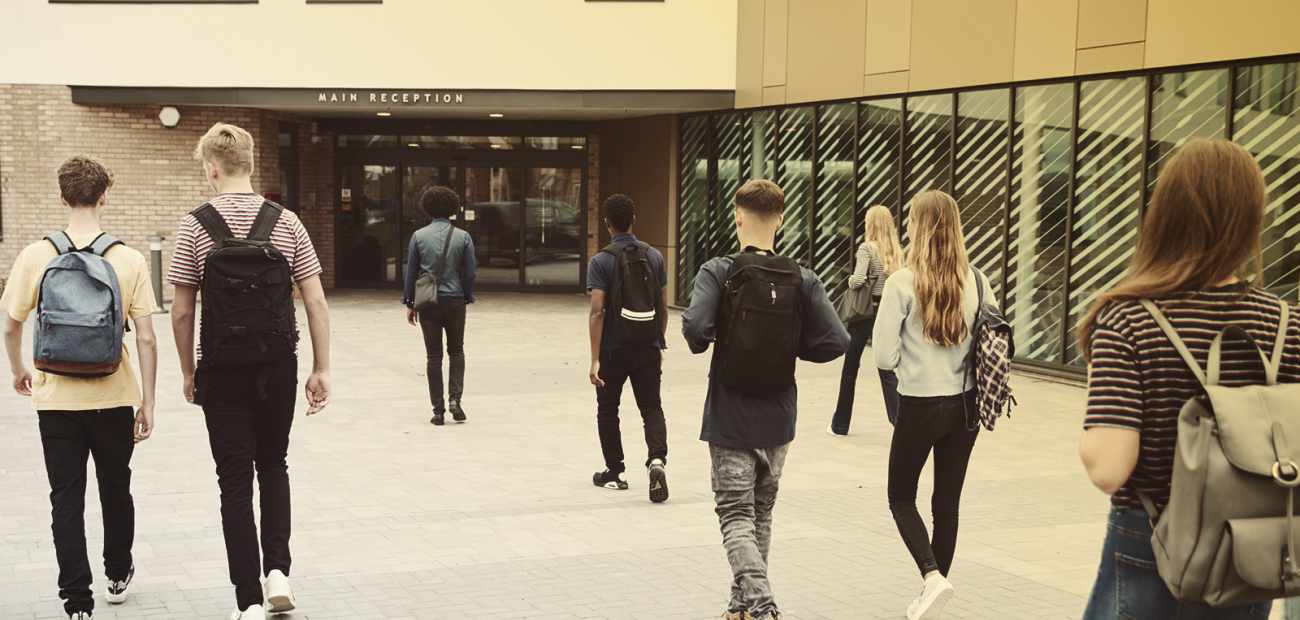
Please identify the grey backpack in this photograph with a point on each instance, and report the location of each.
(79, 318)
(1228, 535)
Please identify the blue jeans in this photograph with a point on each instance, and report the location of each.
(858, 334)
(1128, 587)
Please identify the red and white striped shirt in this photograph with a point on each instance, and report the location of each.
(1140, 382)
(239, 211)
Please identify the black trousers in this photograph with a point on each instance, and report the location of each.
(859, 333)
(248, 433)
(641, 364)
(935, 423)
(68, 439)
(448, 316)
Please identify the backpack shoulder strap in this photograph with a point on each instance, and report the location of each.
(612, 248)
(102, 243)
(979, 286)
(1173, 338)
(211, 221)
(266, 220)
(1275, 365)
(62, 242)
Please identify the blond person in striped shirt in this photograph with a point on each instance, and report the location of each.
(249, 409)
(1200, 234)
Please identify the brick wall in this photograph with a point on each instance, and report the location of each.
(156, 179)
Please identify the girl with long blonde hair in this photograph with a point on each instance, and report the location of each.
(879, 256)
(1199, 242)
(922, 333)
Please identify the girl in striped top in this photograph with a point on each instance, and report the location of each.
(878, 256)
(1201, 231)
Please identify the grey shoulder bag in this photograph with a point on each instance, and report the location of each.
(426, 286)
(1228, 535)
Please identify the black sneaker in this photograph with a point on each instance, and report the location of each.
(658, 481)
(457, 413)
(610, 480)
(437, 419)
(116, 592)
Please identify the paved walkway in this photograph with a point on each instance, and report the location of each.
(497, 518)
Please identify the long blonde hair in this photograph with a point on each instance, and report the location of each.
(882, 239)
(937, 256)
(1203, 226)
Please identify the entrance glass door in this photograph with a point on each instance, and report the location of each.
(368, 225)
(553, 239)
(493, 222)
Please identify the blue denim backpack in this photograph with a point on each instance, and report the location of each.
(79, 318)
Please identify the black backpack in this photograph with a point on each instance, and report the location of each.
(634, 306)
(760, 324)
(248, 313)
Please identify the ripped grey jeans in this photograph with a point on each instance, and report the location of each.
(745, 482)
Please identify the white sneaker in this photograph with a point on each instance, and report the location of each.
(254, 612)
(830, 430)
(115, 593)
(279, 596)
(936, 594)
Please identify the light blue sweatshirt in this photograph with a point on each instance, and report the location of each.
(898, 342)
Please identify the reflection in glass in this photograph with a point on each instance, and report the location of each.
(796, 156)
(1265, 121)
(553, 237)
(367, 141)
(460, 142)
(555, 144)
(726, 150)
(833, 239)
(415, 181)
(693, 207)
(1184, 106)
(981, 179)
(368, 224)
(1107, 194)
(491, 218)
(758, 154)
(880, 128)
(1040, 171)
(929, 133)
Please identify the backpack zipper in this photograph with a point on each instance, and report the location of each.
(773, 293)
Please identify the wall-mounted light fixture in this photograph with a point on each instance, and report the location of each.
(170, 117)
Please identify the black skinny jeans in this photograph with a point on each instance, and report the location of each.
(859, 333)
(448, 316)
(642, 365)
(925, 423)
(68, 439)
(249, 433)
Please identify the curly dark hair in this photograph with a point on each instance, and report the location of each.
(440, 202)
(619, 210)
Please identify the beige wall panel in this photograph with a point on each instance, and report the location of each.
(646, 159)
(884, 84)
(1111, 22)
(889, 36)
(776, 14)
(1046, 31)
(824, 58)
(962, 43)
(749, 53)
(774, 95)
(1107, 59)
(1192, 31)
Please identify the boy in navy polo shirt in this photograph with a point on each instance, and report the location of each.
(614, 362)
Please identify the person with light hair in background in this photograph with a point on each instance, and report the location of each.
(246, 375)
(879, 256)
(923, 332)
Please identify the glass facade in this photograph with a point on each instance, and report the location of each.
(1052, 180)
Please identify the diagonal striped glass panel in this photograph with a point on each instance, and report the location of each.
(693, 205)
(726, 151)
(1265, 120)
(880, 164)
(928, 146)
(833, 241)
(981, 179)
(1107, 193)
(795, 154)
(758, 155)
(1184, 106)
(1040, 170)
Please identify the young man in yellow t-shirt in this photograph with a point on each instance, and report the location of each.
(102, 417)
